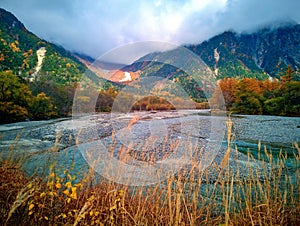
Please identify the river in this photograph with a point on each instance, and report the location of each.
(143, 143)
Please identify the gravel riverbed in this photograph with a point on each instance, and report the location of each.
(66, 140)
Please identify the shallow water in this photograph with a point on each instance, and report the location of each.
(39, 144)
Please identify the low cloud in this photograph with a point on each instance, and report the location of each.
(94, 27)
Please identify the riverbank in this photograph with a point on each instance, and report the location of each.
(57, 140)
(265, 197)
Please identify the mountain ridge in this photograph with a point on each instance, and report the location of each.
(263, 54)
(269, 50)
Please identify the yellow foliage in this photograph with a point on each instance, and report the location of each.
(43, 194)
(66, 192)
(25, 64)
(121, 193)
(91, 198)
(29, 185)
(79, 185)
(113, 208)
(68, 184)
(31, 206)
(3, 41)
(58, 185)
(50, 184)
(71, 178)
(74, 193)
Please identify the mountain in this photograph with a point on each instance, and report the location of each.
(50, 73)
(266, 52)
(262, 54)
(29, 56)
(38, 79)
(107, 70)
(178, 69)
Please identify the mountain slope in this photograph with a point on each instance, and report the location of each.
(267, 51)
(38, 79)
(19, 48)
(261, 55)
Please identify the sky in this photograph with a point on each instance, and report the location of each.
(96, 27)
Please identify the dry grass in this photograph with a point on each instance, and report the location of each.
(269, 195)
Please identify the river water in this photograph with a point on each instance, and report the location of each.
(143, 144)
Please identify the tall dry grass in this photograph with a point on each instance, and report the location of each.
(268, 194)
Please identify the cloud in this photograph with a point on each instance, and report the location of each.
(249, 14)
(94, 27)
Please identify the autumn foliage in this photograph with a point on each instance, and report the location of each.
(45, 99)
(17, 102)
(251, 96)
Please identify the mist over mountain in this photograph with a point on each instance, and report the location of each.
(269, 50)
(259, 54)
(262, 54)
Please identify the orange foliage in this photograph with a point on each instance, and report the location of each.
(14, 46)
(251, 85)
(228, 87)
(251, 96)
(25, 64)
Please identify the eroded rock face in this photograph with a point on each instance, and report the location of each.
(41, 52)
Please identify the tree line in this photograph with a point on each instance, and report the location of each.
(45, 99)
(271, 97)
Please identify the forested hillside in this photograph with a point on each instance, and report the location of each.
(38, 79)
(266, 52)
